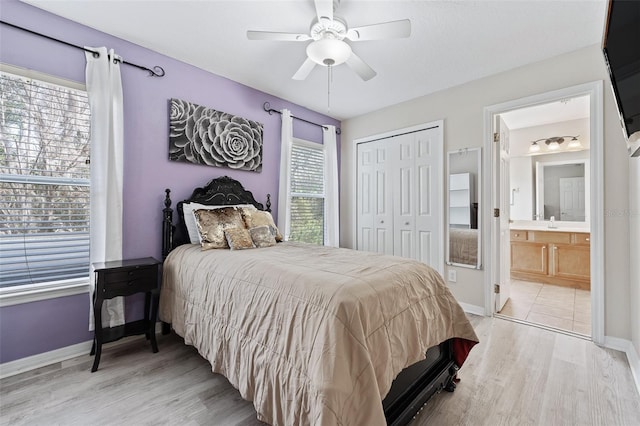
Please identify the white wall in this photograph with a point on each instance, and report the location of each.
(522, 189)
(634, 249)
(461, 108)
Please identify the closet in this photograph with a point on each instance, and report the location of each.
(399, 194)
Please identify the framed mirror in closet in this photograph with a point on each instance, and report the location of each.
(463, 244)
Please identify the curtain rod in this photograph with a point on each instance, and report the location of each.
(157, 71)
(267, 107)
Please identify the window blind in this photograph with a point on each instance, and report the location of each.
(307, 194)
(44, 182)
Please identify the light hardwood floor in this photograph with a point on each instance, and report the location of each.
(517, 375)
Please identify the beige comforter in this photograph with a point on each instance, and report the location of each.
(310, 334)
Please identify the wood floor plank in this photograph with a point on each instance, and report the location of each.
(517, 375)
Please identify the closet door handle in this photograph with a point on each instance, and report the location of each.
(382, 221)
(587, 239)
(406, 223)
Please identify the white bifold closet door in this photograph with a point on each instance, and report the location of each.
(399, 200)
(375, 198)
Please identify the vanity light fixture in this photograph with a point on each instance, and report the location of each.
(553, 143)
(574, 143)
(534, 147)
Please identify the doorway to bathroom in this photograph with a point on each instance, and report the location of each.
(546, 186)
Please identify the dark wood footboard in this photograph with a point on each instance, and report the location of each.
(417, 383)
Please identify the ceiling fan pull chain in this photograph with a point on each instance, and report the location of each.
(329, 79)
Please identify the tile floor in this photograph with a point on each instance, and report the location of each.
(554, 306)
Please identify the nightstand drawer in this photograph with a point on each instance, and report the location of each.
(125, 288)
(128, 281)
(118, 275)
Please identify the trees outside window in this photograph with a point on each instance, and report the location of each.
(44, 181)
(307, 193)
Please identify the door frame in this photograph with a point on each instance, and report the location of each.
(596, 173)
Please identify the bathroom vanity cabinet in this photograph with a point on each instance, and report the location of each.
(551, 257)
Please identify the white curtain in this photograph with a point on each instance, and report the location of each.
(104, 87)
(332, 197)
(284, 194)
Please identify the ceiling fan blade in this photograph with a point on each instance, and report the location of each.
(360, 67)
(324, 9)
(269, 35)
(304, 70)
(384, 30)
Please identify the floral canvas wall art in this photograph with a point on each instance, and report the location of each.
(202, 135)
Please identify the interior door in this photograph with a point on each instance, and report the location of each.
(365, 201)
(417, 201)
(400, 198)
(502, 202)
(428, 149)
(404, 196)
(374, 202)
(572, 199)
(383, 198)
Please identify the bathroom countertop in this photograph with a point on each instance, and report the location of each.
(546, 228)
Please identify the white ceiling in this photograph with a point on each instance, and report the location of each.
(553, 112)
(452, 42)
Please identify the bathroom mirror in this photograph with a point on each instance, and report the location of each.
(550, 185)
(463, 213)
(561, 191)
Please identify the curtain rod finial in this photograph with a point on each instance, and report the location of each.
(157, 71)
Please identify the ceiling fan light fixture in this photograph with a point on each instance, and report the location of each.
(328, 52)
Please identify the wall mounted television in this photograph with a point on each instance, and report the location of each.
(621, 48)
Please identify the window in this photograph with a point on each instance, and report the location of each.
(44, 182)
(307, 192)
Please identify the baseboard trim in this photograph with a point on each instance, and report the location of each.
(472, 309)
(33, 362)
(624, 345)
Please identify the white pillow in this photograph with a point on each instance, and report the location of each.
(190, 220)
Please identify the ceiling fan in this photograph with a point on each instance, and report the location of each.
(329, 33)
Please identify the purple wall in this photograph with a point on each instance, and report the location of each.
(147, 170)
(43, 326)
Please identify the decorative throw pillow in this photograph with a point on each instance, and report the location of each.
(190, 220)
(255, 218)
(238, 238)
(262, 236)
(213, 223)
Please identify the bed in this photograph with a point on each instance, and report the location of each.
(313, 334)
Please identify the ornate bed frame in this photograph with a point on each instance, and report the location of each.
(412, 387)
(222, 191)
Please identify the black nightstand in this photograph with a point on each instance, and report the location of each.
(124, 278)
